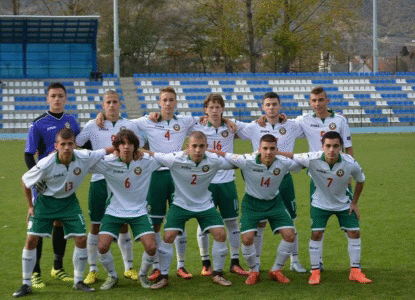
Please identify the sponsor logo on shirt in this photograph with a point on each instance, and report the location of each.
(118, 171)
(257, 170)
(349, 138)
(138, 170)
(225, 133)
(77, 171)
(176, 127)
(159, 126)
(321, 171)
(276, 171)
(264, 131)
(58, 175)
(67, 125)
(50, 128)
(332, 126)
(314, 125)
(186, 167)
(102, 129)
(340, 172)
(282, 131)
(205, 168)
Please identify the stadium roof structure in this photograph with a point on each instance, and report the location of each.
(48, 46)
(48, 29)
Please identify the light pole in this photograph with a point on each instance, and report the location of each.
(116, 41)
(375, 38)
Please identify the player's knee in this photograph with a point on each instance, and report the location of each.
(80, 241)
(103, 247)
(31, 242)
(151, 249)
(248, 239)
(317, 235)
(219, 235)
(169, 237)
(353, 234)
(289, 236)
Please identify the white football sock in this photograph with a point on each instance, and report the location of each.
(294, 255)
(92, 246)
(28, 263)
(233, 237)
(126, 246)
(156, 264)
(181, 243)
(258, 241)
(250, 256)
(283, 253)
(354, 248)
(315, 248)
(203, 242)
(146, 263)
(79, 259)
(219, 252)
(165, 256)
(108, 262)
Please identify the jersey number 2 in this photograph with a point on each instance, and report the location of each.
(194, 176)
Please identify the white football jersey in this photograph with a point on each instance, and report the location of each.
(191, 180)
(331, 182)
(286, 134)
(61, 180)
(314, 128)
(220, 139)
(102, 138)
(165, 136)
(128, 184)
(262, 182)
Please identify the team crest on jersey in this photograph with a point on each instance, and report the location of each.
(276, 171)
(138, 170)
(176, 127)
(77, 171)
(123, 128)
(340, 173)
(282, 131)
(205, 168)
(67, 125)
(332, 126)
(225, 133)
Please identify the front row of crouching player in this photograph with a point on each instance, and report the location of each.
(192, 170)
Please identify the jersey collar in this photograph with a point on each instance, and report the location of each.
(204, 157)
(59, 162)
(161, 118)
(323, 158)
(329, 110)
(208, 124)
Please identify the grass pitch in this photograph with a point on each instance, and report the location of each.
(387, 228)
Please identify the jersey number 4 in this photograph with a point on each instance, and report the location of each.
(265, 182)
(167, 135)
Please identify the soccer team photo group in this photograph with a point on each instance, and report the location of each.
(144, 179)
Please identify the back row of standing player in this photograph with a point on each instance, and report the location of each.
(168, 134)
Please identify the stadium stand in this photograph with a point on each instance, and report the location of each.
(369, 100)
